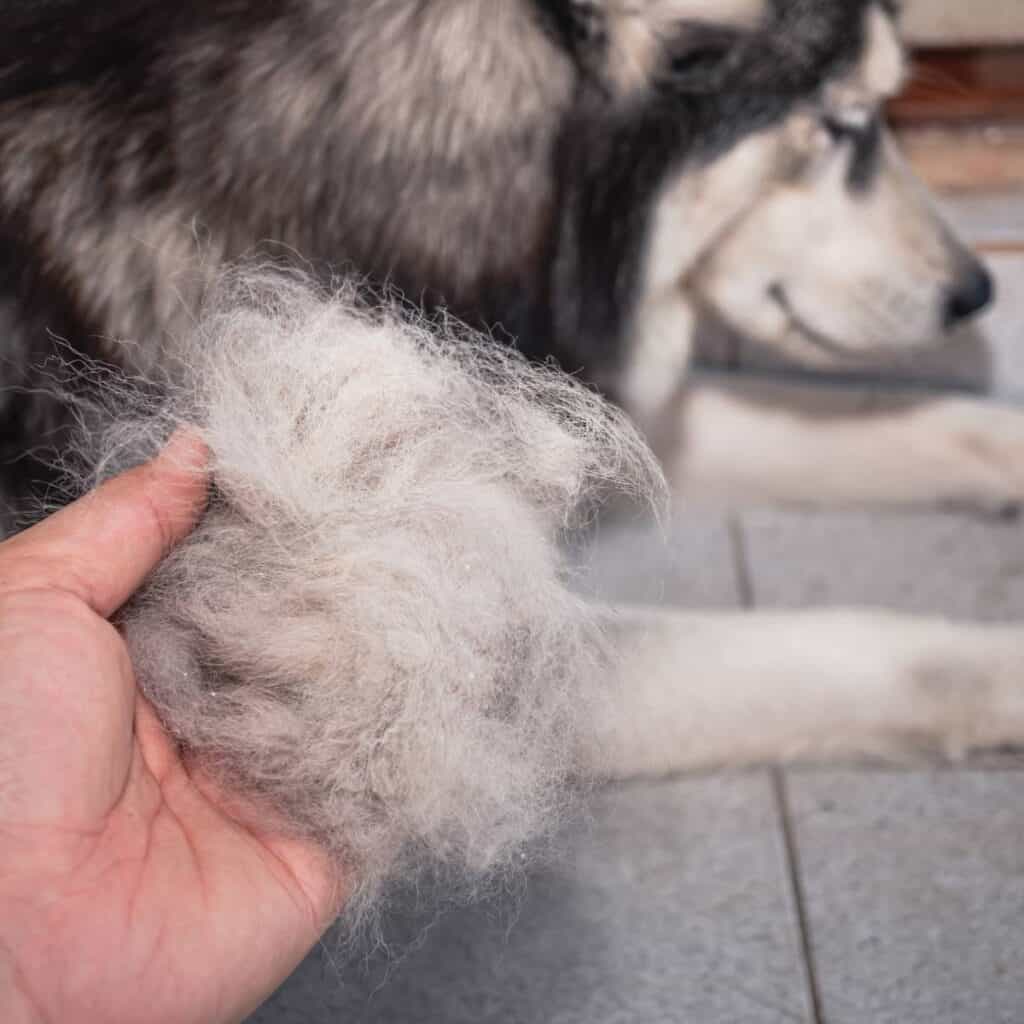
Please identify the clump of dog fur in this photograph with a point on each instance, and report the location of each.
(372, 630)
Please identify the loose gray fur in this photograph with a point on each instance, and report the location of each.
(372, 630)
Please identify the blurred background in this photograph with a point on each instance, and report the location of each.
(962, 118)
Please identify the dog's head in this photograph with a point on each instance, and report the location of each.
(790, 212)
(838, 245)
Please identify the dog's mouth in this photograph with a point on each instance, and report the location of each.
(811, 334)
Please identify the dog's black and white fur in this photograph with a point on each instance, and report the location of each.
(581, 178)
(501, 160)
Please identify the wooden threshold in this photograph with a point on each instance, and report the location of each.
(961, 118)
(984, 84)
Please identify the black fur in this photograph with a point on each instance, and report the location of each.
(532, 226)
(867, 156)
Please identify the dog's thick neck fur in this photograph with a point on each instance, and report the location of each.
(499, 160)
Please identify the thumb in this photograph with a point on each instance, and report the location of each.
(102, 546)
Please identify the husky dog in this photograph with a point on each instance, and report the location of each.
(577, 177)
(581, 178)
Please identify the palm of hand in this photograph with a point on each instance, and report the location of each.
(131, 890)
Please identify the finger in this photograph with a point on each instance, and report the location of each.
(102, 547)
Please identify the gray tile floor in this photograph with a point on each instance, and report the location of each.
(816, 896)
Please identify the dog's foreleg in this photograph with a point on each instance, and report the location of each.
(761, 441)
(708, 690)
(654, 367)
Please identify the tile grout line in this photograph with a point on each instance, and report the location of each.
(748, 600)
(740, 563)
(781, 791)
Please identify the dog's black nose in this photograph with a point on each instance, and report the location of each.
(973, 291)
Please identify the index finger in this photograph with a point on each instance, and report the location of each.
(101, 547)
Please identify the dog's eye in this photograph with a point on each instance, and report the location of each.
(837, 131)
(864, 134)
(847, 128)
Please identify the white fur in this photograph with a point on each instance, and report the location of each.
(786, 443)
(702, 689)
(371, 629)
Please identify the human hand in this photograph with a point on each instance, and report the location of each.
(131, 888)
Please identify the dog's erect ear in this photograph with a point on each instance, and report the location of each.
(675, 45)
(696, 58)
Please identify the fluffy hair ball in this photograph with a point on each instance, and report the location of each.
(371, 629)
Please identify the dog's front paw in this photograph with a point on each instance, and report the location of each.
(971, 691)
(975, 452)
